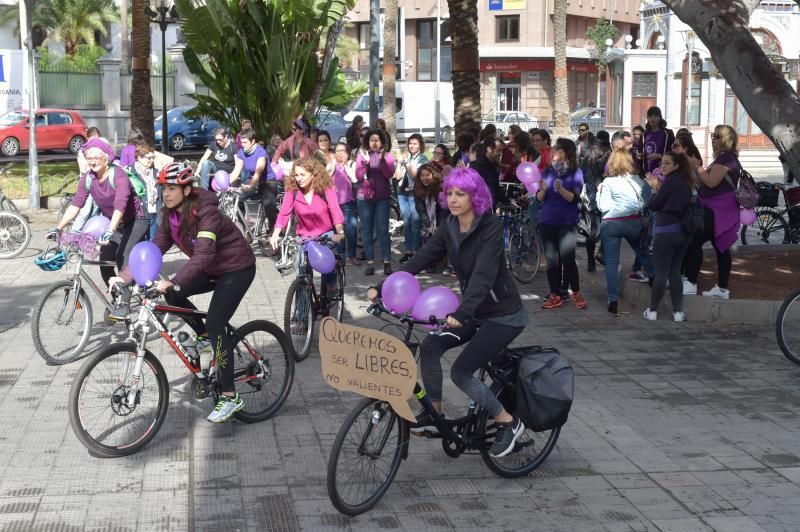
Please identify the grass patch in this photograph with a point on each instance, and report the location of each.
(55, 178)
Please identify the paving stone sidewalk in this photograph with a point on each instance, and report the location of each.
(676, 427)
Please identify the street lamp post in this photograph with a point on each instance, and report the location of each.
(163, 15)
(437, 105)
(26, 23)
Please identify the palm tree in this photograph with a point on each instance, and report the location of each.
(466, 75)
(141, 96)
(73, 22)
(389, 47)
(560, 73)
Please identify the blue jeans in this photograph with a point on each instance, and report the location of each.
(206, 170)
(153, 219)
(611, 235)
(350, 211)
(374, 216)
(411, 231)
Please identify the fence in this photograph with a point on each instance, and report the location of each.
(155, 89)
(73, 90)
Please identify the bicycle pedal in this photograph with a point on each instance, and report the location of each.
(427, 434)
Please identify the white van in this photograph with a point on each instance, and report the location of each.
(415, 109)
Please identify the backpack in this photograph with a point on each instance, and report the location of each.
(545, 388)
(692, 221)
(746, 194)
(139, 186)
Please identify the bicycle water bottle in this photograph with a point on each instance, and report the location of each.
(189, 346)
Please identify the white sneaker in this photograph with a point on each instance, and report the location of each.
(721, 293)
(678, 316)
(650, 315)
(689, 289)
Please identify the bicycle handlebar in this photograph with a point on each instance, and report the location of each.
(377, 308)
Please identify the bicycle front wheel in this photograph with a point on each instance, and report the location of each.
(61, 323)
(298, 318)
(523, 255)
(787, 330)
(15, 234)
(365, 456)
(114, 412)
(263, 369)
(770, 228)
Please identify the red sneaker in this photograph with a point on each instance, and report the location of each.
(552, 301)
(580, 303)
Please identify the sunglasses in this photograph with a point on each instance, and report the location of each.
(296, 129)
(219, 139)
(438, 153)
(582, 130)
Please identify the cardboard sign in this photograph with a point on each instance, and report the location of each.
(369, 363)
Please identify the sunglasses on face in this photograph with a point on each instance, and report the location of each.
(218, 139)
(582, 130)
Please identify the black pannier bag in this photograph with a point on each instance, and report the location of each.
(768, 194)
(545, 388)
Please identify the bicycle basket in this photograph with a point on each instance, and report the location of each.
(82, 243)
(792, 196)
(767, 194)
(545, 388)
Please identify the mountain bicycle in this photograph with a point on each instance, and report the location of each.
(374, 440)
(519, 240)
(15, 231)
(249, 216)
(119, 398)
(303, 305)
(787, 327)
(62, 320)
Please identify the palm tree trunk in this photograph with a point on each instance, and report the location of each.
(389, 47)
(466, 74)
(141, 96)
(560, 73)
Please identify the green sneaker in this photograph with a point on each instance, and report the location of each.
(225, 408)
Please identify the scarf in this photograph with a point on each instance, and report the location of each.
(726, 219)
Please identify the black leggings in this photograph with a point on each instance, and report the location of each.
(694, 257)
(668, 252)
(128, 235)
(560, 242)
(487, 342)
(268, 193)
(229, 289)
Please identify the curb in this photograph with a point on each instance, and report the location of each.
(707, 309)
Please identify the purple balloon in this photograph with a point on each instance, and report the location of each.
(747, 216)
(96, 226)
(528, 173)
(533, 188)
(438, 301)
(145, 262)
(221, 181)
(400, 291)
(278, 170)
(320, 257)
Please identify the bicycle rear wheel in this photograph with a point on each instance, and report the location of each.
(365, 456)
(530, 450)
(787, 330)
(523, 254)
(263, 369)
(99, 410)
(298, 318)
(61, 323)
(15, 234)
(770, 228)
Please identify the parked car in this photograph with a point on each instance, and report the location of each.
(504, 119)
(184, 131)
(56, 129)
(594, 117)
(333, 123)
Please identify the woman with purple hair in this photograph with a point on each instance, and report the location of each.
(491, 313)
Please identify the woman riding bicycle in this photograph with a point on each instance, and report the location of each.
(220, 260)
(491, 313)
(310, 195)
(110, 188)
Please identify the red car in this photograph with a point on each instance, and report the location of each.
(56, 129)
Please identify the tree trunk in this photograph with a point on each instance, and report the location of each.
(141, 97)
(466, 75)
(330, 45)
(389, 48)
(560, 72)
(768, 98)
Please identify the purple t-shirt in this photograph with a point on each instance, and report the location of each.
(728, 160)
(654, 142)
(128, 155)
(250, 162)
(555, 210)
(120, 197)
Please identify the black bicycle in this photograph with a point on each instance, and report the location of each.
(787, 331)
(374, 440)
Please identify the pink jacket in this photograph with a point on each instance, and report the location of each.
(307, 149)
(312, 220)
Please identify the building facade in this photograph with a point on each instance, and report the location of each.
(515, 46)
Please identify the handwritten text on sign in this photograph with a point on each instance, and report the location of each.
(369, 363)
